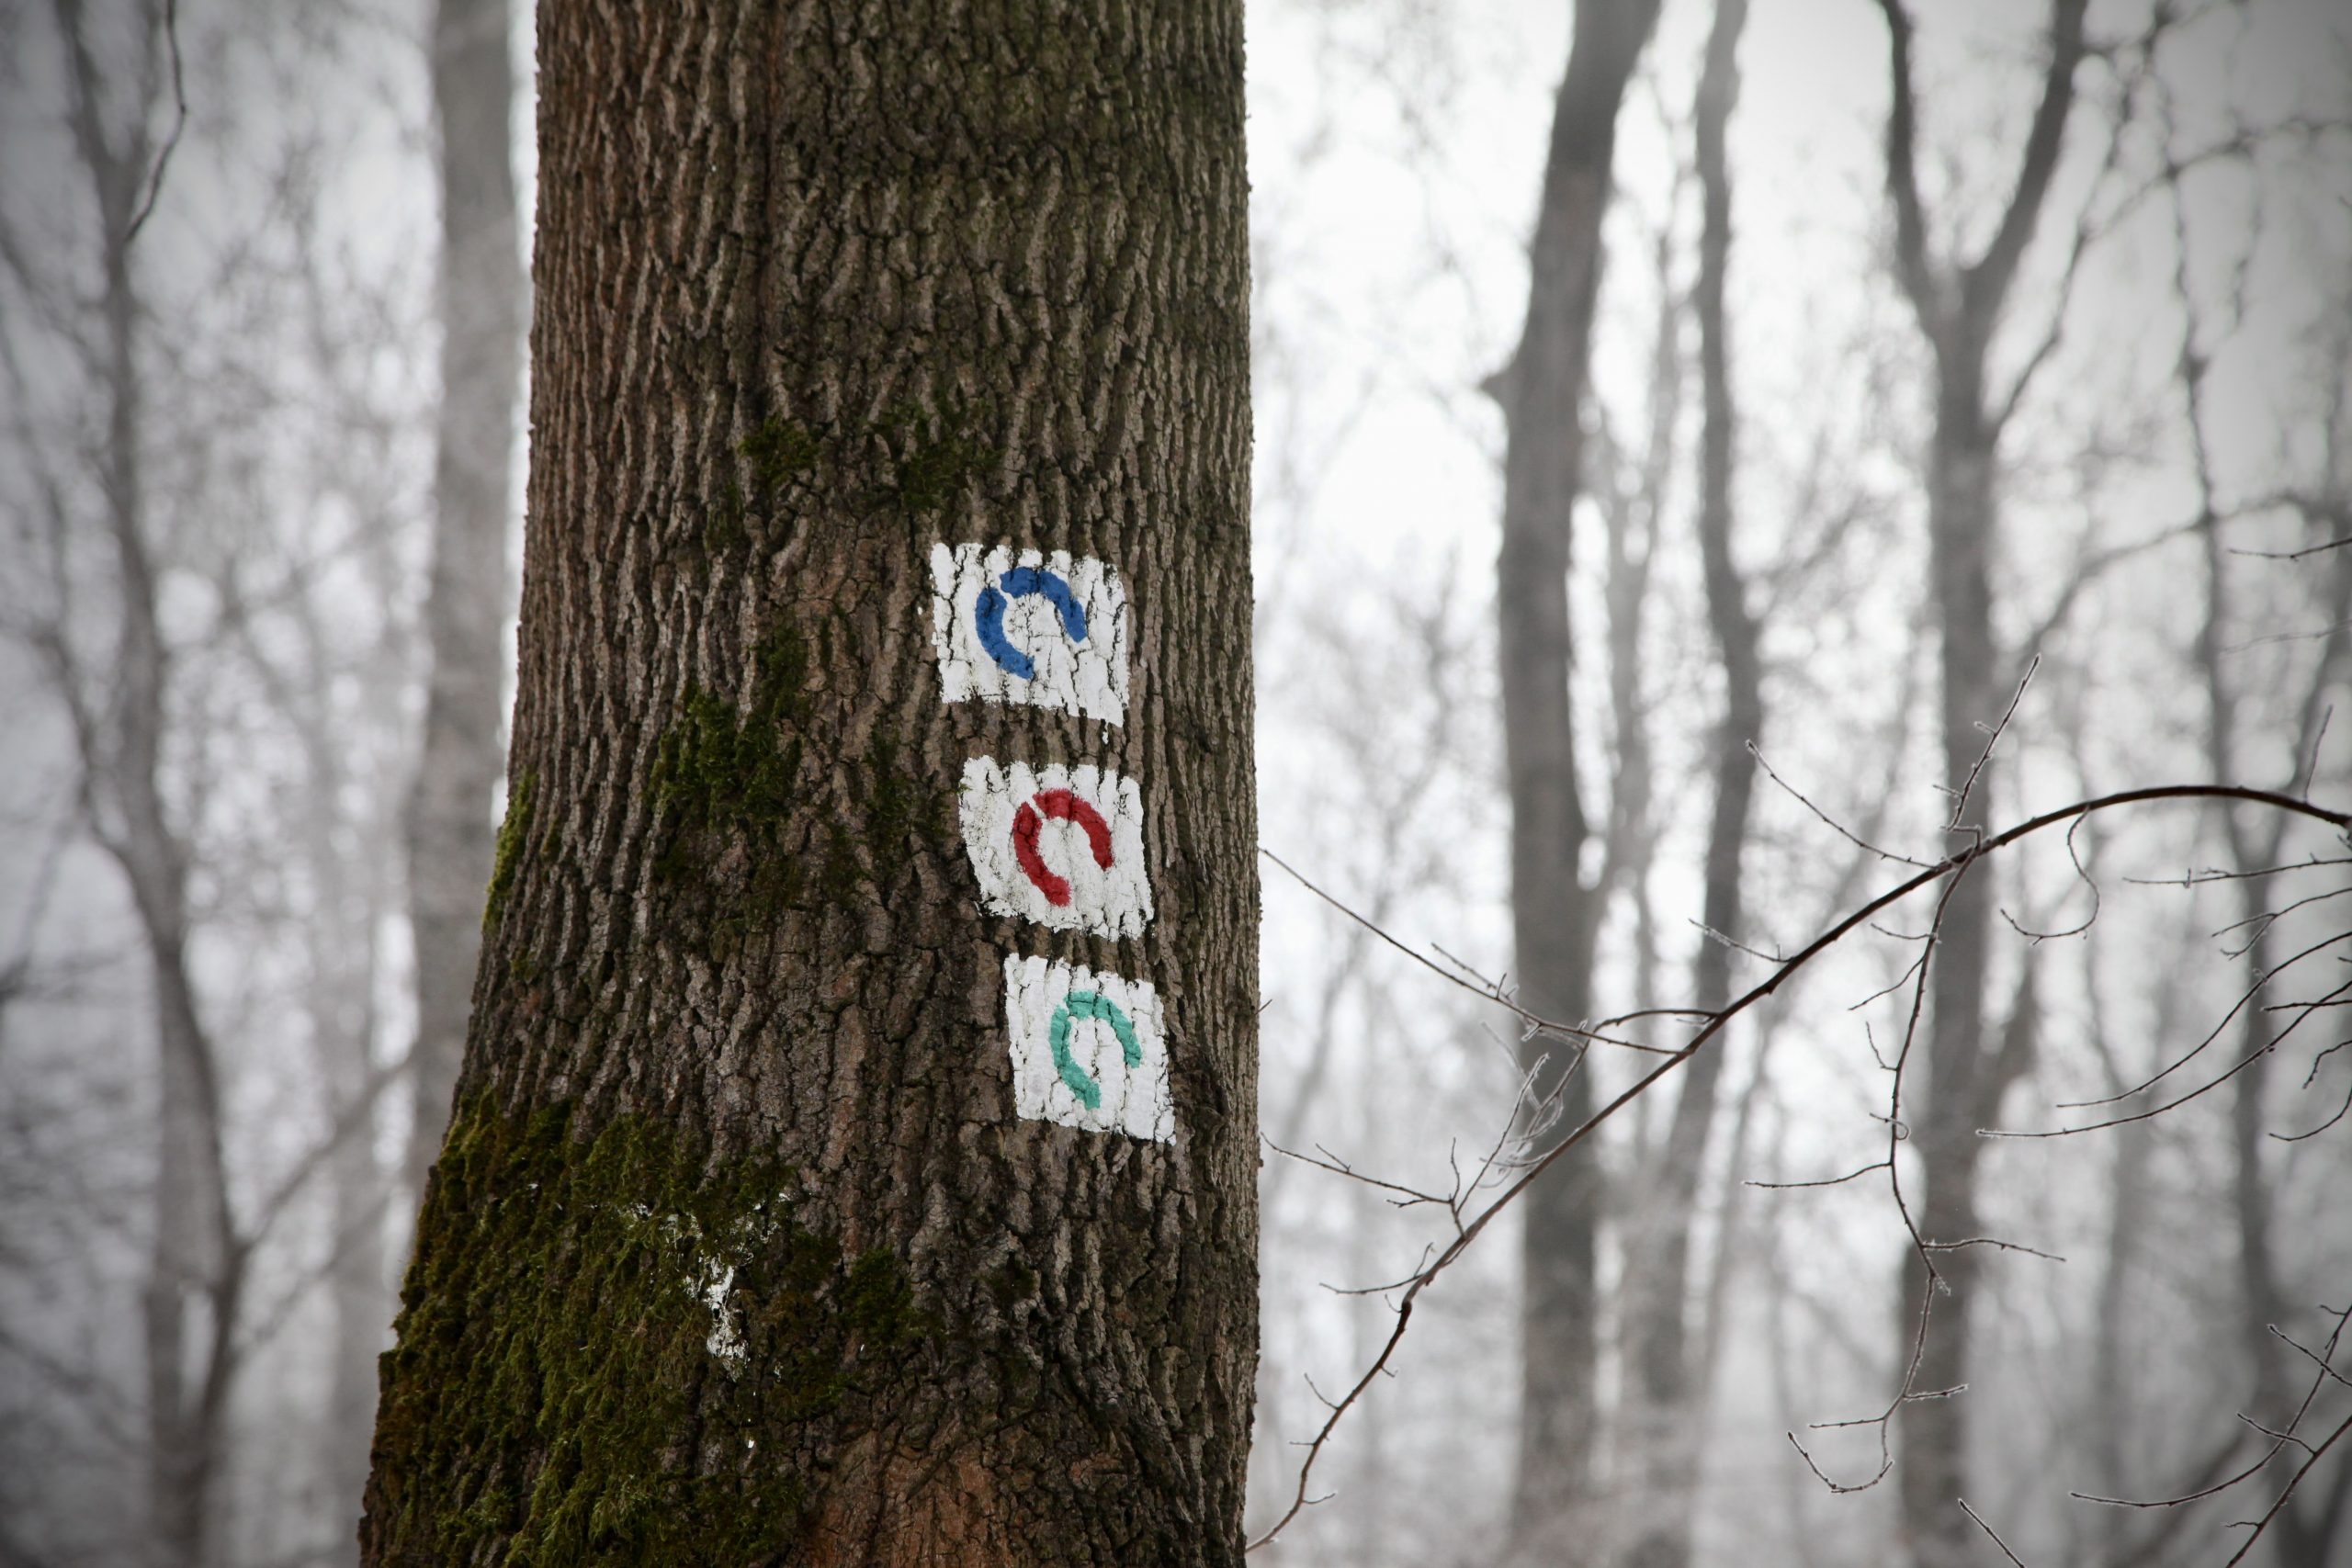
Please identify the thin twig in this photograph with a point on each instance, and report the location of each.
(179, 124)
(1990, 1532)
(1531, 1171)
(1536, 1022)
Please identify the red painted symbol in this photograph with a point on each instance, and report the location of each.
(1063, 807)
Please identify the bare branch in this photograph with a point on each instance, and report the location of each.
(1986, 283)
(172, 139)
(1912, 263)
(1827, 820)
(1946, 871)
(1535, 1021)
(1991, 1534)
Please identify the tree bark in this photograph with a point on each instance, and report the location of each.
(1668, 1403)
(737, 1250)
(1541, 393)
(449, 830)
(1959, 309)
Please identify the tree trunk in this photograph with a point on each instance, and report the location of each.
(741, 1248)
(449, 818)
(2115, 1351)
(190, 1300)
(362, 1304)
(342, 990)
(2299, 1534)
(1934, 1432)
(1958, 307)
(1669, 1404)
(1542, 395)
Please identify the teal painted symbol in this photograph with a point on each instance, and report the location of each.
(1089, 1006)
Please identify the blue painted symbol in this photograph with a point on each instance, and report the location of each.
(1020, 582)
(1095, 1005)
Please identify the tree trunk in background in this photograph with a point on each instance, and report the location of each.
(1959, 307)
(1668, 1405)
(2303, 1534)
(1632, 516)
(1541, 392)
(450, 812)
(190, 1300)
(355, 1268)
(1934, 1433)
(2117, 1353)
(340, 1000)
(738, 1251)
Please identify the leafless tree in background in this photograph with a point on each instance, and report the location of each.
(1542, 395)
(2011, 1050)
(2306, 1528)
(1960, 303)
(112, 678)
(207, 488)
(2166, 540)
(1664, 1395)
(450, 822)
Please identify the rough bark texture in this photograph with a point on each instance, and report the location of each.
(1542, 396)
(1667, 1401)
(1959, 307)
(737, 1251)
(449, 828)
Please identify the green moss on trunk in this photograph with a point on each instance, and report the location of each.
(730, 784)
(723, 776)
(513, 833)
(578, 1305)
(820, 290)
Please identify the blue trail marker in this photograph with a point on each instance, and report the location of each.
(988, 614)
(1040, 627)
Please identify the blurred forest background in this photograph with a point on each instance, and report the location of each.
(261, 286)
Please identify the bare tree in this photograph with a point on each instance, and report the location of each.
(2304, 1531)
(116, 698)
(450, 822)
(1667, 1405)
(229, 717)
(1543, 394)
(1959, 303)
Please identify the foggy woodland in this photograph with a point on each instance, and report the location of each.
(1799, 588)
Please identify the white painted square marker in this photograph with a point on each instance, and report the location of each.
(1059, 846)
(1089, 1050)
(1047, 630)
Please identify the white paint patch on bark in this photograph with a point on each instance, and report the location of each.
(1002, 623)
(715, 1279)
(1059, 846)
(725, 1340)
(1090, 1049)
